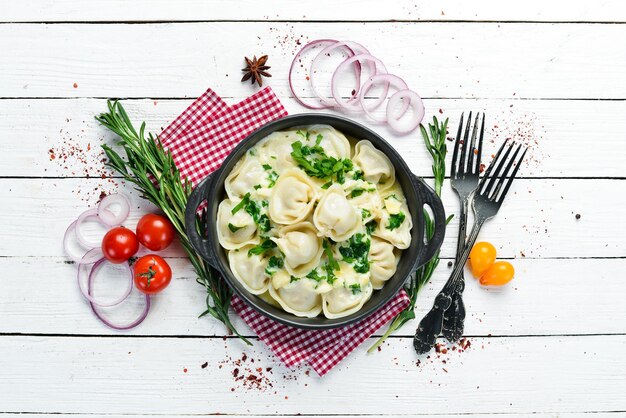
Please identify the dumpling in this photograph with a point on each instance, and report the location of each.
(334, 143)
(376, 167)
(296, 296)
(276, 149)
(383, 262)
(246, 174)
(301, 246)
(235, 230)
(249, 269)
(335, 217)
(365, 197)
(292, 197)
(352, 291)
(395, 222)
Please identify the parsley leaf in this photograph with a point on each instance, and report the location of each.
(395, 221)
(314, 275)
(266, 245)
(327, 185)
(371, 226)
(234, 228)
(358, 175)
(274, 264)
(356, 253)
(355, 287)
(356, 192)
(272, 177)
(241, 204)
(254, 210)
(365, 213)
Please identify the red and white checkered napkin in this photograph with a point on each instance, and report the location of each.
(199, 139)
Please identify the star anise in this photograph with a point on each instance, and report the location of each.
(255, 69)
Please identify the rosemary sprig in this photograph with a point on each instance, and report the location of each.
(154, 173)
(435, 141)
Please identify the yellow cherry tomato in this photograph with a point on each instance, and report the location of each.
(482, 256)
(498, 274)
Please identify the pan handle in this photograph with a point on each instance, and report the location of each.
(430, 198)
(198, 242)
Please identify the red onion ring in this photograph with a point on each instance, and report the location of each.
(305, 48)
(333, 84)
(110, 324)
(66, 245)
(108, 217)
(88, 214)
(390, 80)
(92, 274)
(418, 106)
(353, 48)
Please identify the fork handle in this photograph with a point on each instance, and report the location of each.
(431, 325)
(453, 318)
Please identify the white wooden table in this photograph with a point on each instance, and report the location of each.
(551, 343)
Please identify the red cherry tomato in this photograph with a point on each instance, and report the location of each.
(498, 274)
(155, 232)
(119, 244)
(482, 256)
(152, 274)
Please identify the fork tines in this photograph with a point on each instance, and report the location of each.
(468, 161)
(495, 185)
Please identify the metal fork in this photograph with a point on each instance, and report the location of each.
(487, 200)
(464, 177)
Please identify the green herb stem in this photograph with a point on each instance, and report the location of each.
(435, 141)
(153, 171)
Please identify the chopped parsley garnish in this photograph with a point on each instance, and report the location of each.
(234, 228)
(240, 205)
(266, 245)
(267, 167)
(365, 213)
(355, 287)
(257, 186)
(356, 253)
(395, 221)
(274, 264)
(253, 209)
(272, 177)
(358, 175)
(329, 253)
(327, 185)
(294, 279)
(356, 192)
(314, 275)
(371, 226)
(252, 151)
(315, 162)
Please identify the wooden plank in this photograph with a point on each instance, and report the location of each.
(537, 219)
(442, 60)
(494, 375)
(33, 132)
(368, 10)
(548, 296)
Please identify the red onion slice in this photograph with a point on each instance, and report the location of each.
(389, 80)
(415, 101)
(310, 45)
(379, 68)
(88, 214)
(94, 254)
(353, 48)
(107, 216)
(108, 322)
(92, 274)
